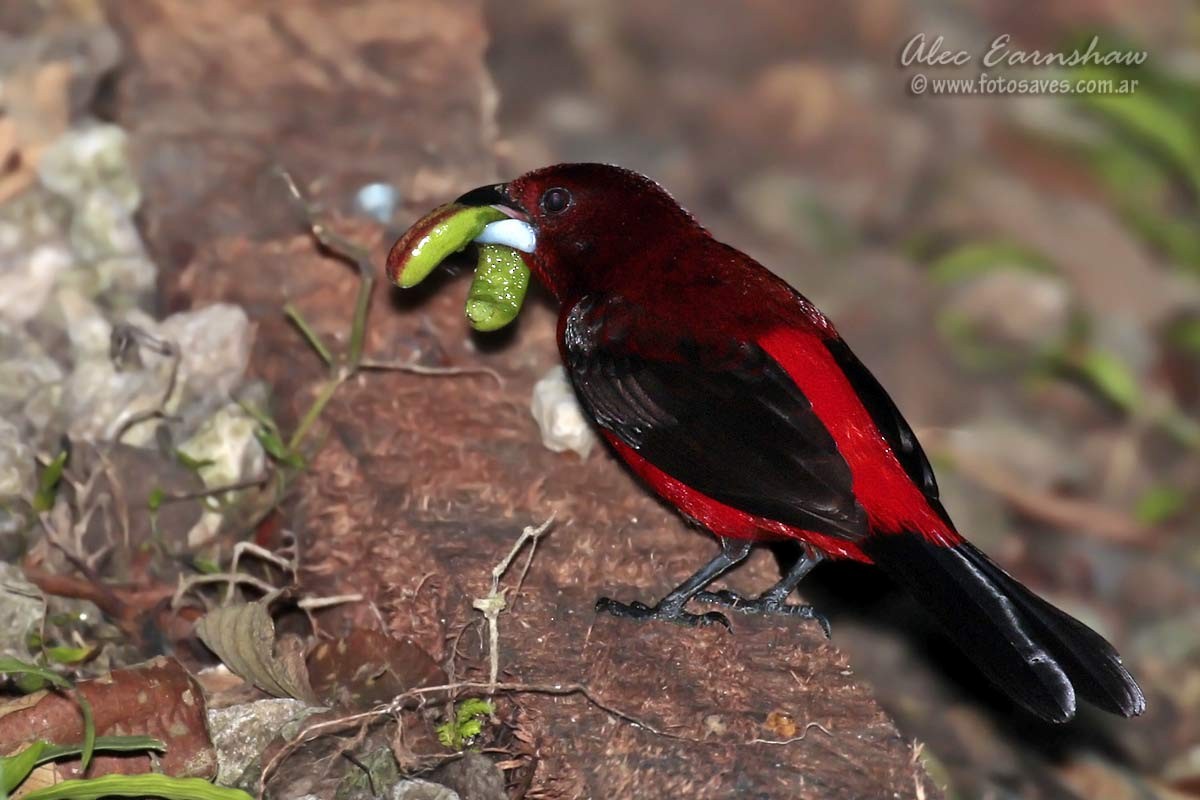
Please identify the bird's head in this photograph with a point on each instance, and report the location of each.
(582, 224)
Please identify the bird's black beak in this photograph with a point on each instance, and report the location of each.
(515, 232)
(495, 194)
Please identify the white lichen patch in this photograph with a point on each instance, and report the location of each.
(227, 448)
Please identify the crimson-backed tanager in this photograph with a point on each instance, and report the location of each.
(735, 399)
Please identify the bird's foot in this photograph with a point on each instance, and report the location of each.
(765, 605)
(663, 612)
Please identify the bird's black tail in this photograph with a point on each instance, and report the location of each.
(1039, 655)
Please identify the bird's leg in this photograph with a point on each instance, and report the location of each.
(774, 600)
(670, 608)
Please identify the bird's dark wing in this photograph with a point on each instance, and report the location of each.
(723, 418)
(891, 424)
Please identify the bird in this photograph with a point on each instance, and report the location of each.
(734, 398)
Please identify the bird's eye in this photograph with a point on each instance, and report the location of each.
(556, 200)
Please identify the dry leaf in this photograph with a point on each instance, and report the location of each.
(368, 667)
(243, 636)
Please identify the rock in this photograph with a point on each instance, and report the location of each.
(30, 381)
(472, 777)
(101, 229)
(226, 441)
(558, 415)
(87, 328)
(422, 790)
(125, 279)
(214, 344)
(17, 473)
(98, 396)
(21, 610)
(88, 168)
(51, 67)
(27, 279)
(241, 733)
(90, 159)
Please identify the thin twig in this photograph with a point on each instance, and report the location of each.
(799, 738)
(314, 603)
(310, 335)
(347, 251)
(249, 483)
(186, 584)
(422, 369)
(250, 548)
(314, 411)
(496, 602)
(530, 534)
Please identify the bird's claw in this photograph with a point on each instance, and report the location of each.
(765, 605)
(641, 612)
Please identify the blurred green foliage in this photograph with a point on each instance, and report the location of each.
(1148, 154)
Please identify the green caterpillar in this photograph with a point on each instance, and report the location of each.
(501, 274)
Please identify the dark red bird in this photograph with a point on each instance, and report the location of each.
(735, 399)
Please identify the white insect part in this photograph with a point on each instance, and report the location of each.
(514, 233)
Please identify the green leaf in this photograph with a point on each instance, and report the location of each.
(259, 416)
(1185, 335)
(467, 723)
(89, 730)
(29, 683)
(194, 464)
(106, 744)
(61, 654)
(474, 707)
(1153, 122)
(978, 258)
(13, 666)
(205, 566)
(1160, 504)
(43, 499)
(155, 500)
(273, 443)
(1109, 375)
(1142, 190)
(16, 768)
(149, 785)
